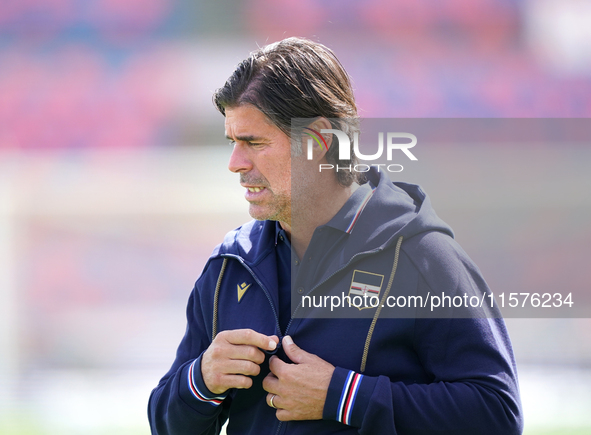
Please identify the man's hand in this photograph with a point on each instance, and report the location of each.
(299, 389)
(232, 357)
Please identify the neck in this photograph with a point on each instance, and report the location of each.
(311, 215)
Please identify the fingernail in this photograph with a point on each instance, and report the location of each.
(287, 340)
(272, 345)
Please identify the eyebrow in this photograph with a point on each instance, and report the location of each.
(245, 138)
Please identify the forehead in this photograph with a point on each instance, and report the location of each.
(247, 120)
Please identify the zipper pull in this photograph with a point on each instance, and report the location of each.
(274, 351)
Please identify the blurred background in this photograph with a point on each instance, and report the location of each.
(113, 187)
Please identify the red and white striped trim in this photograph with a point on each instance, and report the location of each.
(215, 401)
(364, 202)
(348, 397)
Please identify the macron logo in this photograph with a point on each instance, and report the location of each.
(242, 289)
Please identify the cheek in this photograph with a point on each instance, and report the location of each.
(283, 175)
(285, 179)
(278, 170)
(303, 171)
(302, 185)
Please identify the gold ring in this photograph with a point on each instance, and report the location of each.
(271, 404)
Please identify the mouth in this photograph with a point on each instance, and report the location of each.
(255, 189)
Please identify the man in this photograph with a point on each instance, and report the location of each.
(247, 356)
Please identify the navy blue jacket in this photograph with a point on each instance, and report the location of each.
(419, 374)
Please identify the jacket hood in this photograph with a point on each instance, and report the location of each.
(395, 209)
(374, 217)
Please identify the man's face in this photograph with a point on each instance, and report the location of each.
(262, 157)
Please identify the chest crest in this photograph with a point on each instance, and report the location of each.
(365, 285)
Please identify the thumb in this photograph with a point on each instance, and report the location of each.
(293, 352)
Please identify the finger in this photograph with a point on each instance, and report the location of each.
(293, 352)
(249, 337)
(271, 383)
(242, 367)
(282, 414)
(236, 381)
(225, 351)
(249, 353)
(272, 400)
(276, 365)
(233, 367)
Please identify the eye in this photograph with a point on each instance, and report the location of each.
(255, 144)
(232, 143)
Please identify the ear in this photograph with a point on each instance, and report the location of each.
(320, 142)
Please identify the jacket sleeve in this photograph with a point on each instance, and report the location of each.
(181, 403)
(472, 378)
(474, 388)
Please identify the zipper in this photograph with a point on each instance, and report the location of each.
(258, 281)
(354, 257)
(241, 260)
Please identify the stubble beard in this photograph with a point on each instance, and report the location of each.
(277, 209)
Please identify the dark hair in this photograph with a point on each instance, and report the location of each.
(295, 78)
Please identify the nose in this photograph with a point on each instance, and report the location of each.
(239, 160)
